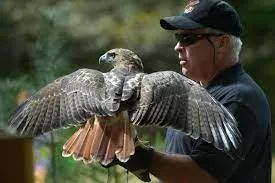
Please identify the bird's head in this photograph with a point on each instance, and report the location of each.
(120, 57)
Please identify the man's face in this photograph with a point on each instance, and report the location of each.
(197, 59)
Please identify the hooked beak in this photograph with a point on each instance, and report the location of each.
(106, 58)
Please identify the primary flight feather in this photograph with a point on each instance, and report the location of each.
(106, 106)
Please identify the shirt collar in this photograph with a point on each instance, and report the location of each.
(226, 76)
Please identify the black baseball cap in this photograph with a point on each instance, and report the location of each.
(198, 14)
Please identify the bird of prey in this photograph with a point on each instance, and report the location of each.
(107, 106)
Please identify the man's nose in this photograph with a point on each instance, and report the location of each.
(178, 47)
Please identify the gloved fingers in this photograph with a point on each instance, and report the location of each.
(113, 163)
(142, 174)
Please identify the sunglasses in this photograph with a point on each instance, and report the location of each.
(187, 39)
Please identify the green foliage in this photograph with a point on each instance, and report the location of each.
(8, 90)
(49, 53)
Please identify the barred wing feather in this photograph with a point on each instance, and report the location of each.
(170, 99)
(68, 101)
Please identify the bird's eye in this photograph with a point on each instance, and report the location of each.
(112, 54)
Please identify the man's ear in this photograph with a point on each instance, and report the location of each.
(223, 43)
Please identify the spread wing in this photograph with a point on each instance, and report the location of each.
(170, 99)
(67, 101)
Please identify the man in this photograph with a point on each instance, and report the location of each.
(208, 34)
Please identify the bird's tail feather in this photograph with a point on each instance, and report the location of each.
(101, 140)
(127, 139)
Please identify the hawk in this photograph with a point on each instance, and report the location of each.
(107, 106)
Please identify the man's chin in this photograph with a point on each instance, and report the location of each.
(187, 74)
(184, 71)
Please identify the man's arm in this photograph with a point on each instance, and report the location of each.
(205, 163)
(178, 168)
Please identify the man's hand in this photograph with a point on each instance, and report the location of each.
(139, 163)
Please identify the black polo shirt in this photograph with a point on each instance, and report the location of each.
(235, 89)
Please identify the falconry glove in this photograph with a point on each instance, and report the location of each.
(139, 163)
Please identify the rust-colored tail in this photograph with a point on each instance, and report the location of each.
(102, 139)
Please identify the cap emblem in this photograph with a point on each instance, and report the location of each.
(190, 6)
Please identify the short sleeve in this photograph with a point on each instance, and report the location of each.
(217, 163)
